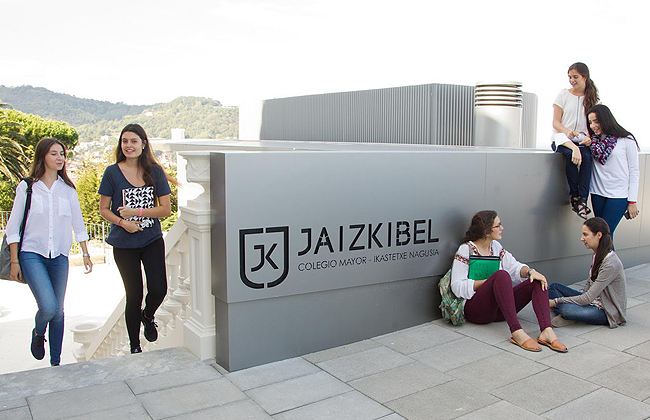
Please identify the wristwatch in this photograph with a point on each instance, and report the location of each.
(530, 271)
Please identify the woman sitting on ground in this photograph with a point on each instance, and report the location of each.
(494, 298)
(603, 301)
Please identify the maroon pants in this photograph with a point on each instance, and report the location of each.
(497, 300)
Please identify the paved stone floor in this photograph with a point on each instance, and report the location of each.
(431, 371)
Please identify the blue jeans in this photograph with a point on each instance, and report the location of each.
(610, 209)
(587, 314)
(47, 278)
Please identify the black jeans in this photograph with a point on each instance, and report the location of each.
(128, 262)
(577, 177)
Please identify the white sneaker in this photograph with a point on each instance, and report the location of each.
(558, 322)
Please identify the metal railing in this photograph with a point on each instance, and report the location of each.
(96, 231)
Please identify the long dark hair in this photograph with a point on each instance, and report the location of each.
(38, 165)
(608, 123)
(147, 161)
(591, 91)
(595, 225)
(481, 225)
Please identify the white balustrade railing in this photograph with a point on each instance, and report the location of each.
(113, 340)
(186, 316)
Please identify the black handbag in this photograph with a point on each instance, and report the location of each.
(5, 253)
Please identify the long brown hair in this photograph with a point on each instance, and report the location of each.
(147, 161)
(481, 225)
(595, 225)
(591, 91)
(608, 123)
(38, 165)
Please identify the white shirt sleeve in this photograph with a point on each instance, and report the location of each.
(17, 212)
(560, 99)
(77, 219)
(461, 285)
(513, 267)
(632, 154)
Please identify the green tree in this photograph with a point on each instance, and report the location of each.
(7, 192)
(88, 180)
(34, 128)
(19, 133)
(12, 158)
(169, 221)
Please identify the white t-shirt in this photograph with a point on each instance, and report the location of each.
(573, 111)
(619, 176)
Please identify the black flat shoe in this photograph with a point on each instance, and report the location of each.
(136, 350)
(150, 331)
(38, 345)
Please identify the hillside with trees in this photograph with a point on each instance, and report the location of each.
(200, 117)
(68, 108)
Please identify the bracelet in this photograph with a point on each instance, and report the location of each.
(15, 262)
(140, 213)
(631, 202)
(86, 255)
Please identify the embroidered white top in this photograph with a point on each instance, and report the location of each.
(52, 216)
(619, 176)
(463, 287)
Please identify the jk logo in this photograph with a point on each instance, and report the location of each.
(264, 256)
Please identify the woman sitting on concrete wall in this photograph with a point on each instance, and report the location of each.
(490, 295)
(570, 134)
(603, 301)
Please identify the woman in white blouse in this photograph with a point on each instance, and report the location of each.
(41, 259)
(615, 180)
(570, 134)
(501, 295)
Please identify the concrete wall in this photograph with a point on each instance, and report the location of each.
(266, 203)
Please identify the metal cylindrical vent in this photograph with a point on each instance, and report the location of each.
(497, 114)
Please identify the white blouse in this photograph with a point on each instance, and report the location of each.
(463, 287)
(619, 176)
(53, 214)
(573, 111)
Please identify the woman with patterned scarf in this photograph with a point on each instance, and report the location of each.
(615, 180)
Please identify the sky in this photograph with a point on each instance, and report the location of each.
(241, 51)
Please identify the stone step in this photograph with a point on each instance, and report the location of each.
(78, 375)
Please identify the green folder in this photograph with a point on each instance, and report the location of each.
(481, 268)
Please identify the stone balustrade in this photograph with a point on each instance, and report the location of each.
(186, 317)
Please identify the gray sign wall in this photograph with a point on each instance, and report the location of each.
(312, 250)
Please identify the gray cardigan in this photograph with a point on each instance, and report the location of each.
(610, 286)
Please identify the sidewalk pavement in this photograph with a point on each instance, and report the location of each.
(431, 371)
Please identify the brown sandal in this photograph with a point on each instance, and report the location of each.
(555, 345)
(529, 345)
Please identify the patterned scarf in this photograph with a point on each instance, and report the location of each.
(602, 146)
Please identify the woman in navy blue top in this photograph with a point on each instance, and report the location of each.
(134, 193)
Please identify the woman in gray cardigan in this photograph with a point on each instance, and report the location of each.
(603, 301)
